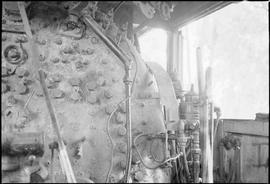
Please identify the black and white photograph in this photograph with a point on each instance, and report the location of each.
(135, 92)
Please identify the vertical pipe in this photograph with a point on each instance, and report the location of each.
(200, 72)
(208, 90)
(128, 81)
(180, 60)
(173, 52)
(210, 110)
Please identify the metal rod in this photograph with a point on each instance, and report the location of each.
(128, 82)
(209, 122)
(62, 149)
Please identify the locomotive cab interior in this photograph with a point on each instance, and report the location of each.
(79, 103)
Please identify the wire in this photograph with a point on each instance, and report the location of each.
(141, 159)
(154, 157)
(111, 140)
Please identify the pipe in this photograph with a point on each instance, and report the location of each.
(114, 48)
(127, 80)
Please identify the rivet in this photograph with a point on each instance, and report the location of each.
(91, 86)
(55, 60)
(4, 37)
(94, 40)
(79, 65)
(39, 92)
(85, 61)
(21, 38)
(88, 51)
(101, 81)
(42, 57)
(51, 84)
(68, 50)
(92, 98)
(120, 118)
(139, 176)
(4, 87)
(57, 93)
(65, 60)
(75, 96)
(74, 81)
(41, 42)
(108, 94)
(57, 78)
(58, 41)
(105, 61)
(21, 88)
(75, 45)
(11, 100)
(4, 71)
(109, 109)
(122, 131)
(22, 72)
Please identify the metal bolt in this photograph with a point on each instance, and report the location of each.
(21, 88)
(57, 93)
(21, 38)
(91, 86)
(75, 96)
(120, 118)
(4, 72)
(139, 176)
(122, 131)
(92, 98)
(55, 60)
(65, 60)
(11, 100)
(75, 81)
(108, 94)
(57, 78)
(101, 81)
(21, 72)
(105, 61)
(94, 40)
(42, 57)
(4, 37)
(58, 41)
(109, 109)
(79, 65)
